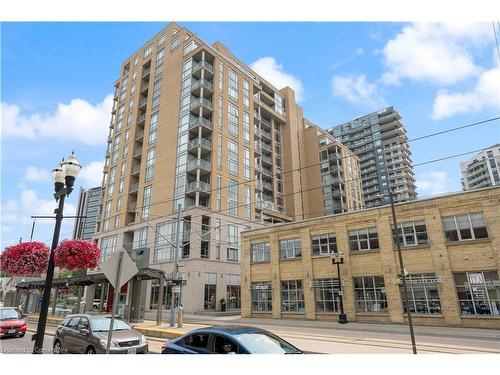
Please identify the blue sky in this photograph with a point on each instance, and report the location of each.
(57, 78)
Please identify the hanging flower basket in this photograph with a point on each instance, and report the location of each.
(77, 254)
(25, 259)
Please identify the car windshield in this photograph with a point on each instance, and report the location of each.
(9, 314)
(265, 343)
(102, 325)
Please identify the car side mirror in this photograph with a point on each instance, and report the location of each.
(84, 331)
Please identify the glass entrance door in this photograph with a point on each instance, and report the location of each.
(210, 301)
(233, 297)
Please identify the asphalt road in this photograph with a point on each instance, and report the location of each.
(23, 345)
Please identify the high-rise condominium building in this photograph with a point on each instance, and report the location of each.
(88, 206)
(482, 170)
(380, 141)
(193, 126)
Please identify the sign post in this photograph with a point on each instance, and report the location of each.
(118, 269)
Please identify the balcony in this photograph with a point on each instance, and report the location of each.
(267, 186)
(205, 105)
(206, 125)
(131, 207)
(205, 144)
(205, 166)
(142, 104)
(266, 159)
(145, 72)
(137, 153)
(258, 168)
(257, 133)
(139, 135)
(141, 120)
(198, 186)
(197, 85)
(266, 147)
(133, 188)
(257, 149)
(267, 172)
(144, 89)
(267, 134)
(265, 204)
(198, 66)
(265, 122)
(136, 170)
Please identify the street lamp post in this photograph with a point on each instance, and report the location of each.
(64, 176)
(338, 259)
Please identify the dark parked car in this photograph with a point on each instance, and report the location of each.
(12, 322)
(231, 339)
(88, 334)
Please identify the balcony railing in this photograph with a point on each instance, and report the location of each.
(200, 121)
(133, 188)
(266, 159)
(266, 147)
(131, 206)
(201, 102)
(198, 186)
(199, 163)
(201, 83)
(139, 135)
(203, 64)
(138, 152)
(136, 169)
(205, 143)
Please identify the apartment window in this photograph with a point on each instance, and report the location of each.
(217, 238)
(153, 127)
(150, 162)
(260, 252)
(162, 40)
(246, 162)
(146, 203)
(164, 238)
(156, 94)
(262, 296)
(478, 292)
(232, 254)
(246, 207)
(148, 50)
(127, 133)
(219, 151)
(123, 90)
(290, 248)
(221, 76)
(464, 227)
(233, 84)
(246, 93)
(132, 89)
(140, 238)
(246, 127)
(232, 198)
(423, 294)
(159, 62)
(324, 244)
(117, 222)
(232, 155)
(192, 45)
(411, 233)
(326, 295)
(233, 235)
(124, 167)
(174, 44)
(364, 239)
(116, 148)
(292, 296)
(111, 182)
(119, 204)
(134, 74)
(125, 151)
(233, 119)
(131, 104)
(220, 110)
(369, 293)
(121, 185)
(119, 118)
(218, 192)
(108, 246)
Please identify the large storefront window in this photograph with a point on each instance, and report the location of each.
(292, 296)
(326, 295)
(210, 298)
(167, 296)
(262, 296)
(478, 293)
(423, 294)
(370, 294)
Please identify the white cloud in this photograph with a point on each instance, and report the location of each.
(78, 121)
(485, 95)
(34, 174)
(357, 90)
(360, 51)
(92, 174)
(270, 70)
(433, 182)
(438, 53)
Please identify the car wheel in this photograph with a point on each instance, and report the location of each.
(57, 348)
(21, 335)
(90, 350)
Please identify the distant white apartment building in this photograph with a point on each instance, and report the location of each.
(482, 170)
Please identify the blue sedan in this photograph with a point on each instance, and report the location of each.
(231, 339)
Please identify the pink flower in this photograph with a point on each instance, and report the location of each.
(27, 258)
(77, 254)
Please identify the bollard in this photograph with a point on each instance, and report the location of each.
(180, 316)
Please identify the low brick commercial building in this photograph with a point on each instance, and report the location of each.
(450, 246)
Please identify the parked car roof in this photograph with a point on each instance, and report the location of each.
(230, 329)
